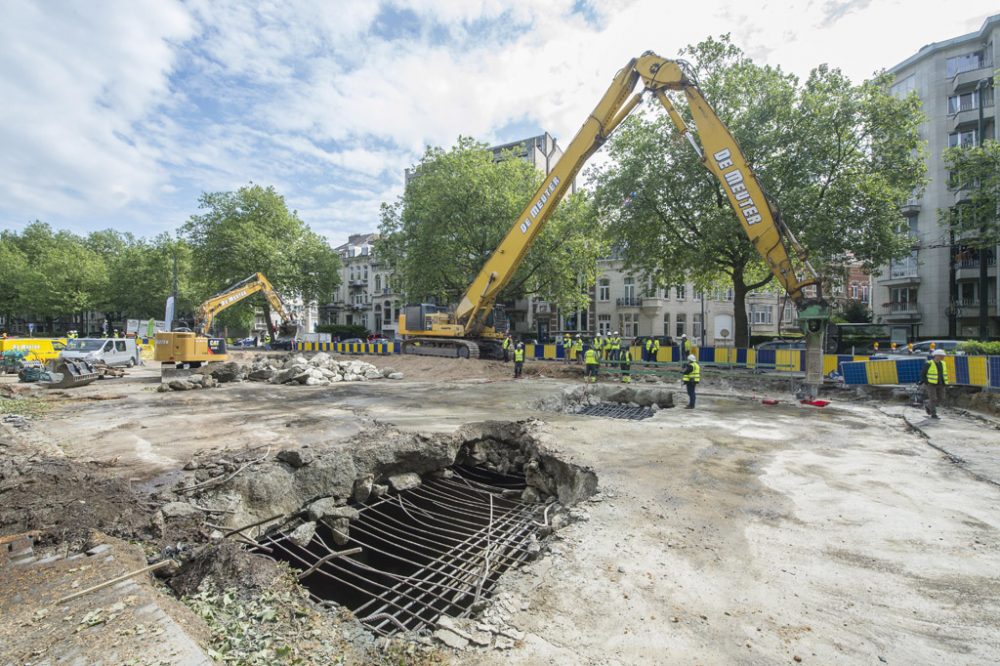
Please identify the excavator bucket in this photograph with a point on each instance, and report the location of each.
(70, 373)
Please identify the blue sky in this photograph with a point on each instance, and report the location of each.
(118, 114)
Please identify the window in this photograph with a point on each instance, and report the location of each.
(968, 101)
(865, 293)
(854, 290)
(681, 324)
(650, 289)
(761, 314)
(629, 289)
(628, 324)
(964, 63)
(604, 290)
(966, 139)
(696, 325)
(119, 345)
(603, 324)
(378, 283)
(666, 324)
(697, 296)
(903, 87)
(681, 292)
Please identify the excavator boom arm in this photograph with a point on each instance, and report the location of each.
(233, 295)
(718, 151)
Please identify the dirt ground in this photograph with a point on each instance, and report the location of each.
(732, 533)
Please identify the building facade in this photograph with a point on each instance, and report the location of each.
(934, 293)
(366, 296)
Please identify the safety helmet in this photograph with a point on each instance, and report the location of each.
(577, 335)
(615, 333)
(691, 357)
(683, 335)
(939, 352)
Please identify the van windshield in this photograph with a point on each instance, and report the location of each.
(84, 345)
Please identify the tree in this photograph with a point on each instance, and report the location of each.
(251, 230)
(458, 208)
(62, 276)
(13, 266)
(837, 157)
(855, 312)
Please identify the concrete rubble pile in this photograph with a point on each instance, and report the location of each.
(320, 370)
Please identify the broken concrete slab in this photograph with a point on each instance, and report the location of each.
(407, 481)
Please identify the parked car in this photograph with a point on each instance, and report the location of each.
(780, 344)
(353, 341)
(113, 351)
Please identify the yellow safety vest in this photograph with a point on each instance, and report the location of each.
(649, 344)
(506, 343)
(590, 357)
(694, 375)
(656, 345)
(616, 343)
(932, 373)
(578, 345)
(519, 356)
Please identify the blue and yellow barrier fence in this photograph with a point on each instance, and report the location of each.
(966, 370)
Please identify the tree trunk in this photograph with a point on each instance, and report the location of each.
(740, 333)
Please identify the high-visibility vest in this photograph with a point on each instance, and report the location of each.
(567, 341)
(626, 359)
(656, 345)
(578, 345)
(932, 372)
(694, 375)
(590, 357)
(649, 344)
(519, 355)
(506, 343)
(616, 342)
(685, 346)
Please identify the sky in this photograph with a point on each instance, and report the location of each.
(119, 114)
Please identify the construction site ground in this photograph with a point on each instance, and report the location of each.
(735, 533)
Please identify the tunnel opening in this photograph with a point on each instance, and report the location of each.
(411, 556)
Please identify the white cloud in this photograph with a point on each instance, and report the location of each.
(121, 112)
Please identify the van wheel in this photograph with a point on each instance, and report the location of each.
(131, 362)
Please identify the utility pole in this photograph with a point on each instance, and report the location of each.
(984, 282)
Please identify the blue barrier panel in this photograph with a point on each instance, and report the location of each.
(561, 352)
(961, 370)
(706, 355)
(909, 370)
(855, 372)
(741, 356)
(993, 364)
(766, 357)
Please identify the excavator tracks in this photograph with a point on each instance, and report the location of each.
(441, 347)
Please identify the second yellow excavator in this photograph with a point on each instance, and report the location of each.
(471, 329)
(190, 349)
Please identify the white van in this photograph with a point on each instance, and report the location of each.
(112, 351)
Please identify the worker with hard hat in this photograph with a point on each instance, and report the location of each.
(578, 348)
(685, 345)
(935, 378)
(592, 363)
(518, 360)
(690, 378)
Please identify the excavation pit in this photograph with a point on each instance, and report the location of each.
(615, 410)
(409, 557)
(609, 401)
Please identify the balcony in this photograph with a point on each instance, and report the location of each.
(901, 311)
(968, 308)
(968, 269)
(360, 306)
(628, 302)
(968, 117)
(652, 304)
(910, 207)
(358, 283)
(970, 77)
(902, 272)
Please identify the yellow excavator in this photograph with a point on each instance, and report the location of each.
(190, 349)
(471, 329)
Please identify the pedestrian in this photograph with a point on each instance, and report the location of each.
(578, 348)
(518, 360)
(691, 377)
(506, 348)
(592, 364)
(625, 360)
(935, 378)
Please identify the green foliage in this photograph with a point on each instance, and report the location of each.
(838, 157)
(249, 231)
(59, 275)
(456, 211)
(854, 312)
(980, 348)
(976, 170)
(343, 331)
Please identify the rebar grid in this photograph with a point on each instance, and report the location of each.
(435, 549)
(614, 410)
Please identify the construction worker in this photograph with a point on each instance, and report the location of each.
(685, 345)
(592, 363)
(507, 342)
(616, 346)
(567, 344)
(518, 360)
(625, 361)
(935, 378)
(647, 350)
(578, 348)
(690, 378)
(655, 351)
(116, 334)
(598, 344)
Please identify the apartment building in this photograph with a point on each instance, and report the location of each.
(365, 296)
(934, 293)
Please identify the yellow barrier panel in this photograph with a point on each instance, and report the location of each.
(977, 371)
(881, 372)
